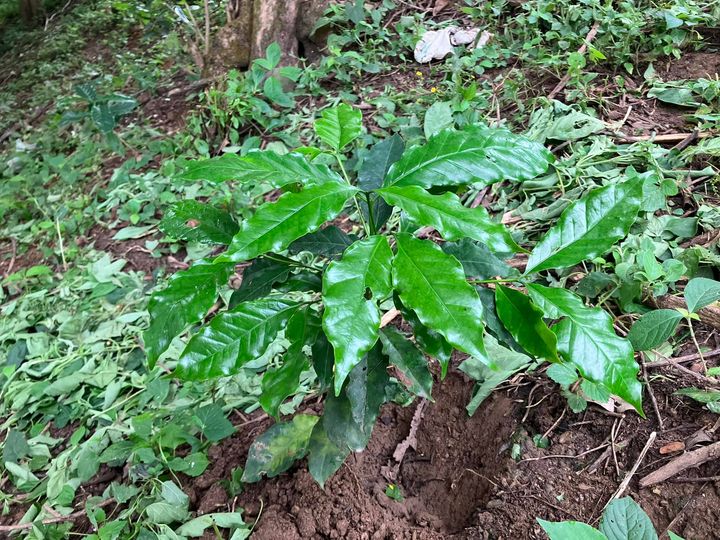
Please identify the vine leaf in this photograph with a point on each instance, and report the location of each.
(194, 221)
(701, 292)
(258, 280)
(234, 338)
(187, 298)
(433, 285)
(588, 227)
(409, 360)
(352, 287)
(587, 340)
(447, 215)
(477, 260)
(274, 226)
(654, 328)
(475, 154)
(324, 456)
(524, 321)
(260, 166)
(327, 242)
(570, 530)
(624, 518)
(349, 417)
(278, 448)
(339, 126)
(508, 361)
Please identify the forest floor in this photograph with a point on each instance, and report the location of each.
(80, 252)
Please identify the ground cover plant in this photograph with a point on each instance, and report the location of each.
(460, 297)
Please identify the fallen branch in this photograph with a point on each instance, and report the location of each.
(583, 48)
(682, 463)
(666, 138)
(682, 359)
(626, 481)
(51, 521)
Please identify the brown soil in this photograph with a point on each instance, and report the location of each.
(461, 482)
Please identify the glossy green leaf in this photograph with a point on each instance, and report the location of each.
(213, 423)
(276, 450)
(278, 384)
(275, 225)
(409, 361)
(260, 166)
(431, 343)
(473, 155)
(570, 530)
(378, 161)
(438, 117)
(701, 292)
(352, 287)
(349, 418)
(524, 321)
(328, 242)
(492, 321)
(339, 126)
(234, 338)
(259, 278)
(187, 298)
(447, 215)
(624, 519)
(194, 221)
(324, 456)
(323, 359)
(477, 260)
(508, 362)
(587, 340)
(588, 227)
(654, 328)
(433, 285)
(564, 374)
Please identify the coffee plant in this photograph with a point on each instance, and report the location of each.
(319, 294)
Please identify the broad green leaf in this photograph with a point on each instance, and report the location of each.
(588, 227)
(701, 292)
(701, 396)
(278, 384)
(570, 530)
(352, 288)
(372, 172)
(328, 242)
(323, 360)
(477, 260)
(258, 279)
(524, 321)
(409, 360)
(223, 520)
(260, 166)
(213, 423)
(654, 328)
(120, 105)
(275, 225)
(624, 519)
(508, 363)
(473, 155)
(378, 161)
(15, 446)
(278, 448)
(433, 285)
(447, 215)
(339, 126)
(102, 117)
(491, 319)
(587, 340)
(349, 418)
(187, 298)
(324, 456)
(234, 338)
(438, 117)
(198, 222)
(563, 374)
(432, 343)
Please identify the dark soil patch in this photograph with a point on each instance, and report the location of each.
(693, 65)
(133, 250)
(461, 481)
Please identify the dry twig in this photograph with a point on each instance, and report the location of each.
(626, 481)
(682, 463)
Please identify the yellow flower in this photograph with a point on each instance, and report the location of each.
(433, 89)
(419, 73)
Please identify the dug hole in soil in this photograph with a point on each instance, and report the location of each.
(461, 482)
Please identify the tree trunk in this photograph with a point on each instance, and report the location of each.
(253, 25)
(30, 11)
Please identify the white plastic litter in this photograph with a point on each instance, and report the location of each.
(437, 44)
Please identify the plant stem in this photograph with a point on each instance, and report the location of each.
(508, 280)
(355, 197)
(60, 244)
(697, 345)
(371, 217)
